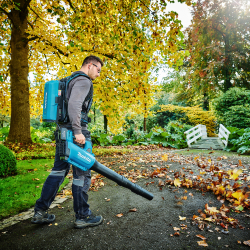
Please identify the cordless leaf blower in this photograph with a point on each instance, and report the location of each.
(84, 159)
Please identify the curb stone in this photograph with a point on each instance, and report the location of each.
(28, 214)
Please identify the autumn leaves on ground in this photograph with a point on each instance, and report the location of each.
(227, 177)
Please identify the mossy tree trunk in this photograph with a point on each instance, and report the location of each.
(20, 108)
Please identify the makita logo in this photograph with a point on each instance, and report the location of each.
(84, 157)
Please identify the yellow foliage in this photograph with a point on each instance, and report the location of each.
(62, 33)
(194, 116)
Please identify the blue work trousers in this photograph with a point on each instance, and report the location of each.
(80, 185)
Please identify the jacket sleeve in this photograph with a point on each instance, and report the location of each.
(77, 96)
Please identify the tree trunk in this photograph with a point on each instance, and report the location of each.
(145, 119)
(105, 124)
(145, 124)
(227, 66)
(20, 108)
(205, 101)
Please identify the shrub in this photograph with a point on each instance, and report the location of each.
(7, 162)
(232, 108)
(239, 140)
(237, 116)
(4, 133)
(193, 116)
(42, 135)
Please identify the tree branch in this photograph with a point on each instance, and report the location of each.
(36, 14)
(8, 14)
(26, 5)
(71, 5)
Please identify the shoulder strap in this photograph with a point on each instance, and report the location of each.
(73, 76)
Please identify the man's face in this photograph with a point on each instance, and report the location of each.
(94, 70)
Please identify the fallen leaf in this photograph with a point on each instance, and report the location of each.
(202, 237)
(247, 243)
(133, 210)
(176, 234)
(202, 243)
(177, 229)
(177, 182)
(165, 157)
(182, 218)
(119, 215)
(211, 210)
(161, 183)
(234, 174)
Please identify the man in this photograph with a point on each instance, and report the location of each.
(79, 96)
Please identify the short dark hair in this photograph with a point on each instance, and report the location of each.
(90, 59)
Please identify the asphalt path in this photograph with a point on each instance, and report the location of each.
(131, 221)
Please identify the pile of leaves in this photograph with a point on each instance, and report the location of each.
(231, 185)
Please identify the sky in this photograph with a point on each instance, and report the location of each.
(184, 14)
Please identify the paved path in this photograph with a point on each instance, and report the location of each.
(209, 143)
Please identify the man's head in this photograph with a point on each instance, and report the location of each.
(92, 66)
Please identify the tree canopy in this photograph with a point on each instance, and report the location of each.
(219, 51)
(50, 39)
(219, 45)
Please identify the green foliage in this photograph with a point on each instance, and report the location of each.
(104, 139)
(238, 116)
(239, 140)
(117, 139)
(171, 136)
(42, 134)
(7, 162)
(233, 108)
(4, 133)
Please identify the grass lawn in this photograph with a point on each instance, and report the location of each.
(20, 192)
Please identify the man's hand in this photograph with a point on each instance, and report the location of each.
(80, 138)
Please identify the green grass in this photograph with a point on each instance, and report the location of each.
(20, 192)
